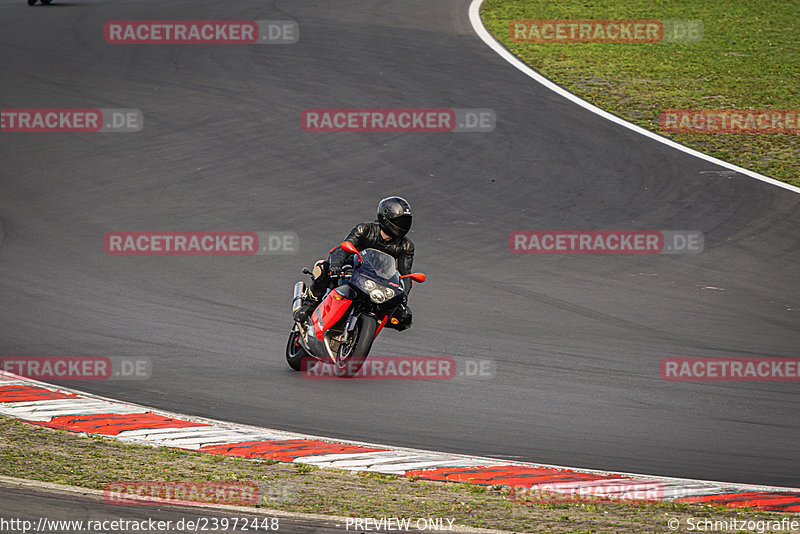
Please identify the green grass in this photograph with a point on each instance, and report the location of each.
(749, 58)
(39, 453)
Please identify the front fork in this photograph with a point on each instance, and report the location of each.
(351, 325)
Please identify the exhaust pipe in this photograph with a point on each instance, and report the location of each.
(297, 299)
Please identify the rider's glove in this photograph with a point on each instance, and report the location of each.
(336, 270)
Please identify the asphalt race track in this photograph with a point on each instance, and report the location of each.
(576, 339)
(24, 503)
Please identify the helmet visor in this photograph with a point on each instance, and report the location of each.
(400, 224)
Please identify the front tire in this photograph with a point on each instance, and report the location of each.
(351, 357)
(31, 2)
(295, 353)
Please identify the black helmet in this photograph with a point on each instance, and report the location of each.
(394, 216)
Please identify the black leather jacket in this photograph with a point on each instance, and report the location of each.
(368, 235)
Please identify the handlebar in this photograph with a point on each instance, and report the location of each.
(347, 271)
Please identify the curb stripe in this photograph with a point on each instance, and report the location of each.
(784, 502)
(61, 408)
(47, 409)
(283, 450)
(113, 424)
(390, 461)
(509, 475)
(24, 393)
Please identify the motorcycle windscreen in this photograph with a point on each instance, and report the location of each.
(328, 313)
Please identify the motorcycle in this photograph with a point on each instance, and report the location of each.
(350, 316)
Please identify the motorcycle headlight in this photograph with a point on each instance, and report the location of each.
(369, 285)
(389, 293)
(377, 296)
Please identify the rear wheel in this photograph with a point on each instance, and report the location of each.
(352, 355)
(31, 2)
(295, 353)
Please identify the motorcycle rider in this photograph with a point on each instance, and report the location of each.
(387, 234)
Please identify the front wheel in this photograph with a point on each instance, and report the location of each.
(295, 353)
(352, 355)
(31, 2)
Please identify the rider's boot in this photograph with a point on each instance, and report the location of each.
(310, 303)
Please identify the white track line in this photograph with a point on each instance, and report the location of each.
(502, 51)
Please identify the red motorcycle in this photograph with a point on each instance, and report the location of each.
(351, 315)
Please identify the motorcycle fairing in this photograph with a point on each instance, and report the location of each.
(328, 313)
